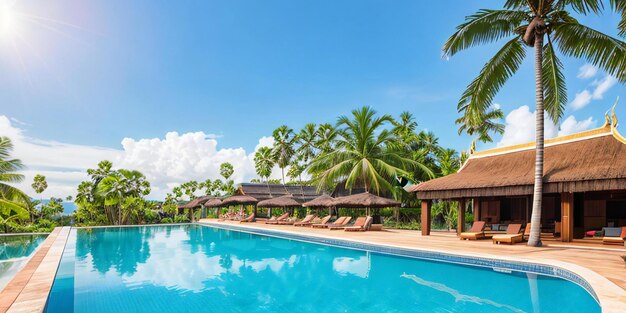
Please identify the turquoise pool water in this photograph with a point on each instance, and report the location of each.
(14, 253)
(192, 268)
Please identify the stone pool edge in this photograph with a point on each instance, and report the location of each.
(611, 297)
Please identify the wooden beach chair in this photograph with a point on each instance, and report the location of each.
(476, 232)
(278, 219)
(613, 235)
(365, 227)
(305, 221)
(344, 223)
(249, 219)
(325, 225)
(512, 235)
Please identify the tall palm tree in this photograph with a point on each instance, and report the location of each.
(482, 126)
(365, 155)
(11, 198)
(326, 137)
(284, 139)
(405, 127)
(306, 142)
(545, 25)
(264, 162)
(448, 160)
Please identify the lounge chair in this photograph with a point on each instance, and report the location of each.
(476, 232)
(287, 221)
(248, 219)
(305, 221)
(278, 219)
(325, 225)
(614, 235)
(343, 224)
(356, 227)
(323, 221)
(512, 235)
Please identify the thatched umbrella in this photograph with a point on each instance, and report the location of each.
(213, 203)
(365, 200)
(280, 202)
(240, 200)
(323, 201)
(195, 203)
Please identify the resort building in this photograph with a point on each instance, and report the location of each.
(584, 184)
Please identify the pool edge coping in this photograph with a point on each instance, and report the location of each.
(611, 297)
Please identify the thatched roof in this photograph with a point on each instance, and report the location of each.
(279, 202)
(594, 160)
(213, 203)
(323, 201)
(195, 203)
(365, 200)
(262, 191)
(239, 199)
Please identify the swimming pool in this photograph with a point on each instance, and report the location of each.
(14, 253)
(185, 268)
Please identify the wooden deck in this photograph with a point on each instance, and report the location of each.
(602, 259)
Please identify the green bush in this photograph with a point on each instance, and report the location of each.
(181, 218)
(166, 220)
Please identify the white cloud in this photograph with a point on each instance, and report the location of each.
(520, 127)
(166, 162)
(587, 71)
(582, 99)
(601, 86)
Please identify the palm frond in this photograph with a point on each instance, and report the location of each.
(555, 92)
(619, 6)
(582, 6)
(479, 94)
(484, 27)
(601, 50)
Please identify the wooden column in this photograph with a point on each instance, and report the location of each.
(460, 219)
(567, 216)
(476, 205)
(191, 216)
(426, 205)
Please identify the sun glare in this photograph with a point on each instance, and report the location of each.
(8, 20)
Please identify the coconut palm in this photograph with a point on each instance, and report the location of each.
(405, 127)
(448, 161)
(547, 26)
(39, 183)
(264, 162)
(284, 139)
(482, 126)
(226, 170)
(306, 142)
(326, 137)
(11, 198)
(365, 155)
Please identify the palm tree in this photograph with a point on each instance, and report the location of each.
(483, 125)
(264, 162)
(326, 137)
(405, 127)
(226, 170)
(284, 139)
(10, 197)
(545, 25)
(448, 161)
(364, 155)
(39, 183)
(306, 142)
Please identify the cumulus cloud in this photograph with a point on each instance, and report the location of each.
(166, 162)
(600, 87)
(587, 71)
(520, 127)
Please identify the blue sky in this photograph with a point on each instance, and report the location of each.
(91, 73)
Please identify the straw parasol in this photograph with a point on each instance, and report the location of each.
(323, 201)
(195, 203)
(239, 199)
(365, 200)
(213, 203)
(279, 202)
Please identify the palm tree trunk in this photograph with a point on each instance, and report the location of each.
(535, 229)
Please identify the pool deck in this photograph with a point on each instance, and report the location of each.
(601, 266)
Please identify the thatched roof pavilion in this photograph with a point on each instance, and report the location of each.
(213, 203)
(195, 203)
(262, 191)
(584, 184)
(323, 201)
(239, 200)
(365, 200)
(279, 202)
